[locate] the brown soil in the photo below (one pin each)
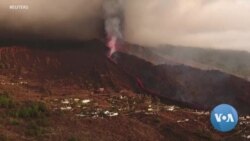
(61, 76)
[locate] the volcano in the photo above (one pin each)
(192, 87)
(87, 65)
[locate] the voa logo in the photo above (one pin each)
(224, 118)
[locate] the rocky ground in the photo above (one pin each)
(72, 91)
(29, 114)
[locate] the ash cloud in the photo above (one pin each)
(222, 24)
(46, 19)
(113, 15)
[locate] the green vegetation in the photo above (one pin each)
(34, 116)
(27, 109)
(30, 116)
(30, 110)
(5, 100)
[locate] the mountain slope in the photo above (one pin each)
(83, 94)
(85, 65)
(197, 88)
(231, 61)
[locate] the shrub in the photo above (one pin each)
(5, 100)
(31, 110)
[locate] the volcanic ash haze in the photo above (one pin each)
(46, 19)
(113, 14)
(216, 23)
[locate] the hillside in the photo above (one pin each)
(194, 87)
(72, 91)
(234, 62)
(88, 67)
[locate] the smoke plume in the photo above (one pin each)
(113, 10)
(201, 23)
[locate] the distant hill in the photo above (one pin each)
(235, 62)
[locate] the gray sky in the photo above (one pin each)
(203, 23)
(69, 19)
(210, 23)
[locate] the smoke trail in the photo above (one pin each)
(113, 14)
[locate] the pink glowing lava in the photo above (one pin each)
(112, 45)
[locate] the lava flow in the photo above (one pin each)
(113, 46)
